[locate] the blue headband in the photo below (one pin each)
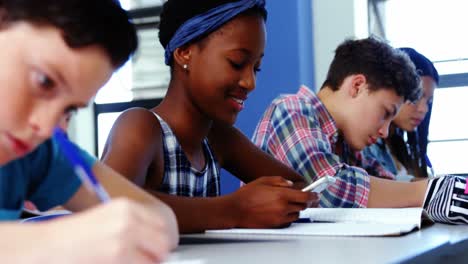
(207, 22)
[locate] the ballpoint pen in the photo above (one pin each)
(83, 171)
(429, 164)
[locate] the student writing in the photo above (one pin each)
(55, 55)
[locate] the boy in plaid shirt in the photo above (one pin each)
(322, 134)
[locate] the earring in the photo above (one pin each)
(185, 66)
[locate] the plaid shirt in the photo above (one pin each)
(180, 178)
(298, 130)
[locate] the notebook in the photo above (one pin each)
(347, 222)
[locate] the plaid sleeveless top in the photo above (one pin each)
(180, 178)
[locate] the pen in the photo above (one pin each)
(429, 164)
(83, 171)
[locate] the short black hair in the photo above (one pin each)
(82, 22)
(424, 67)
(384, 67)
(176, 12)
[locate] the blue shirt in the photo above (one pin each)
(45, 177)
(380, 151)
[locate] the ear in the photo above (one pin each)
(182, 56)
(358, 85)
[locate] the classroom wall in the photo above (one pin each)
(301, 38)
(287, 64)
(333, 22)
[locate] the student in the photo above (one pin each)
(316, 134)
(55, 55)
(403, 153)
(176, 149)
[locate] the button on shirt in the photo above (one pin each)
(298, 130)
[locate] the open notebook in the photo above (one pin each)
(347, 222)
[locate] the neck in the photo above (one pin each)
(331, 101)
(186, 120)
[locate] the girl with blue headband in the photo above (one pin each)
(176, 150)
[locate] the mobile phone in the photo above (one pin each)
(320, 184)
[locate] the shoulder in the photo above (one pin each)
(135, 128)
(136, 122)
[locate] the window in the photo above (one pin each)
(436, 29)
(142, 81)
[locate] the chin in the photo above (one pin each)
(357, 146)
(410, 128)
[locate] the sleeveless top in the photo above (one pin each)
(179, 177)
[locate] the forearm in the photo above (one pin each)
(197, 214)
(388, 193)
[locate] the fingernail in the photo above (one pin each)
(290, 183)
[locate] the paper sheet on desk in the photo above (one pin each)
(326, 229)
(345, 222)
(196, 261)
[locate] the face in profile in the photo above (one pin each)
(412, 114)
(222, 68)
(369, 116)
(42, 80)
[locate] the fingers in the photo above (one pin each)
(153, 244)
(143, 231)
(297, 196)
(150, 233)
(274, 181)
(292, 217)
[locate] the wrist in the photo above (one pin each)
(230, 212)
(421, 191)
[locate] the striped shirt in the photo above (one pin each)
(180, 178)
(298, 130)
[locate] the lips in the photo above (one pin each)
(20, 147)
(416, 121)
(372, 140)
(237, 101)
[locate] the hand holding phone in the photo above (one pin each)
(320, 184)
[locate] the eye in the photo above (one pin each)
(387, 114)
(43, 81)
(71, 110)
(236, 65)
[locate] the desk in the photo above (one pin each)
(216, 248)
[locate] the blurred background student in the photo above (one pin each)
(403, 152)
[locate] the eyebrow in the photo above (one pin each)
(248, 53)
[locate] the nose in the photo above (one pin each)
(383, 131)
(422, 106)
(248, 79)
(43, 121)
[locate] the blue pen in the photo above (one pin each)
(83, 171)
(429, 164)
